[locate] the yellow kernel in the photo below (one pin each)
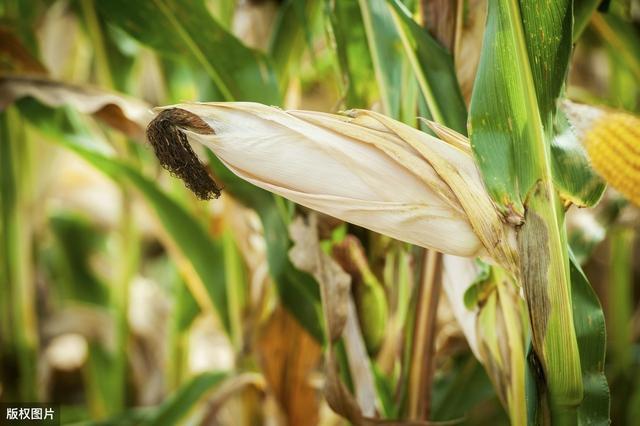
(613, 145)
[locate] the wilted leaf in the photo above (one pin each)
(338, 395)
(466, 54)
(359, 363)
(288, 356)
(439, 17)
(340, 315)
(335, 284)
(124, 113)
(450, 136)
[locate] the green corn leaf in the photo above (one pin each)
(460, 389)
(573, 176)
(582, 11)
(204, 253)
(113, 67)
(223, 11)
(190, 236)
(386, 50)
(433, 67)
(76, 240)
(186, 29)
(506, 113)
(291, 33)
(352, 53)
(100, 381)
(18, 321)
(623, 37)
(512, 125)
(178, 405)
(591, 333)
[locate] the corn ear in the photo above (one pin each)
(612, 141)
(613, 145)
(362, 167)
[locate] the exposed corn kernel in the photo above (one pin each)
(613, 144)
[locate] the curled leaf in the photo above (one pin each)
(335, 284)
(124, 113)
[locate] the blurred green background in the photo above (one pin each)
(127, 301)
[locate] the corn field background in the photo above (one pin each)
(483, 155)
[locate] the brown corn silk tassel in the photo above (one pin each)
(170, 145)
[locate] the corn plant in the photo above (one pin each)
(320, 212)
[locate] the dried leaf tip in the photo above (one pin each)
(166, 136)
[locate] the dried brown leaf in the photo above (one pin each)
(439, 17)
(338, 396)
(15, 57)
(288, 355)
(231, 387)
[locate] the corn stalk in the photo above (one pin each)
(18, 328)
(523, 65)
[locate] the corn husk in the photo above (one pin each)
(612, 142)
(361, 167)
(494, 326)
